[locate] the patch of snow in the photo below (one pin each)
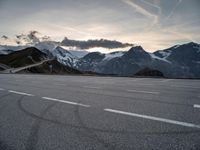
(165, 54)
(46, 45)
(176, 46)
(75, 51)
(113, 55)
(2, 48)
(3, 52)
(159, 58)
(108, 52)
(64, 56)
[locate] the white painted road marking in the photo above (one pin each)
(147, 92)
(91, 87)
(20, 93)
(196, 106)
(185, 124)
(63, 101)
(2, 89)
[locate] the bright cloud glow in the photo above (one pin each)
(154, 24)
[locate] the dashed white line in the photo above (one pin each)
(2, 89)
(91, 87)
(196, 106)
(185, 124)
(20, 93)
(63, 101)
(147, 92)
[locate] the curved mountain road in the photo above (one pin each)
(15, 70)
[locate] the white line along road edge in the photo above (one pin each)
(63, 101)
(2, 89)
(185, 124)
(20, 93)
(196, 106)
(147, 92)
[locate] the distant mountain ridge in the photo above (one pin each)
(32, 60)
(179, 61)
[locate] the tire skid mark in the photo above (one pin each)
(90, 133)
(66, 125)
(2, 100)
(32, 140)
(124, 97)
(5, 95)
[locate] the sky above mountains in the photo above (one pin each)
(154, 24)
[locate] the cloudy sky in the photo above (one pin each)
(154, 24)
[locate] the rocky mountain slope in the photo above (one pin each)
(23, 57)
(29, 61)
(180, 61)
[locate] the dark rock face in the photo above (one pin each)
(94, 56)
(149, 73)
(181, 61)
(23, 57)
(137, 54)
(53, 67)
(31, 56)
(126, 65)
(90, 62)
(185, 61)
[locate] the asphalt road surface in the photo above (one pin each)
(43, 112)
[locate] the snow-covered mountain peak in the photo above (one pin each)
(112, 55)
